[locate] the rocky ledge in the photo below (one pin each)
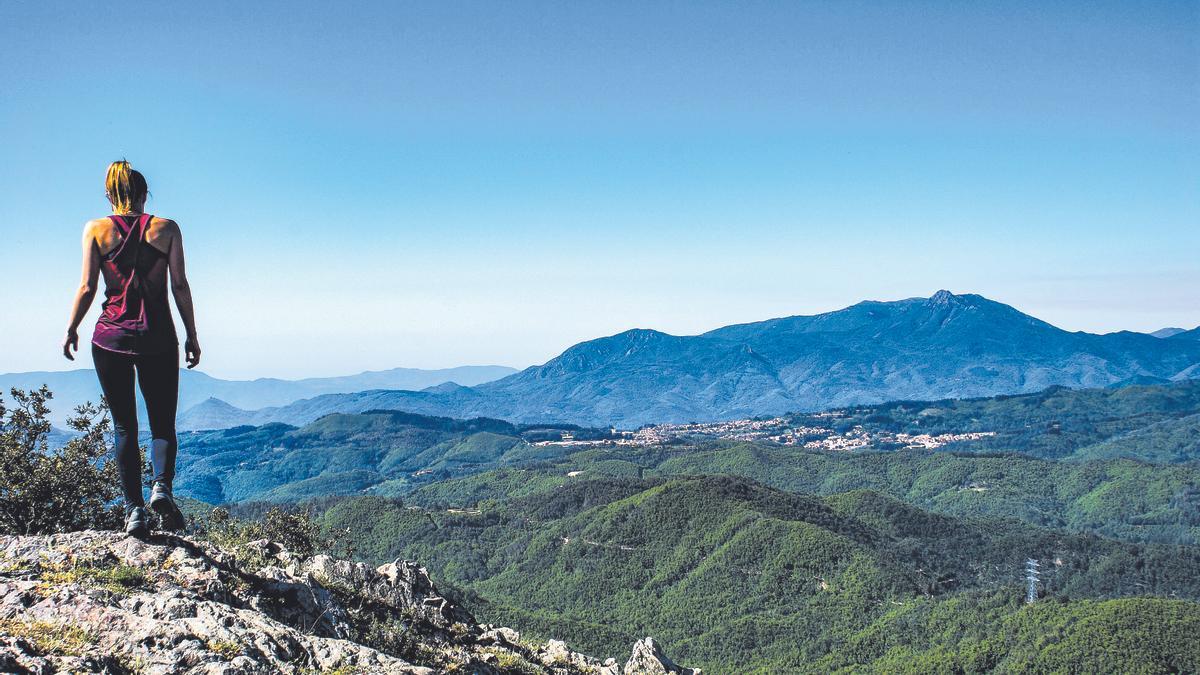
(103, 602)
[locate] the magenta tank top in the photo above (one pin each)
(136, 317)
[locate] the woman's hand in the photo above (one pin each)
(71, 341)
(191, 348)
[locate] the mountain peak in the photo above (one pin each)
(944, 298)
(446, 388)
(212, 403)
(614, 345)
(640, 334)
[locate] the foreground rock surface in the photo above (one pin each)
(103, 602)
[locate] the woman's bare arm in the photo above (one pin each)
(86, 292)
(183, 295)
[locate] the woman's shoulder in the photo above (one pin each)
(98, 227)
(161, 225)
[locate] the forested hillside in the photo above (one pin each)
(391, 452)
(753, 547)
(1149, 422)
(1122, 499)
(731, 572)
(340, 454)
(396, 454)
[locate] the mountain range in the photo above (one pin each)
(73, 387)
(944, 346)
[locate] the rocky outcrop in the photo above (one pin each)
(103, 602)
(649, 659)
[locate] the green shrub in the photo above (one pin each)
(296, 529)
(44, 491)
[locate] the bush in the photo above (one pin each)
(297, 530)
(43, 491)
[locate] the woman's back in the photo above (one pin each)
(109, 234)
(136, 315)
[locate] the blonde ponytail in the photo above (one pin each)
(124, 186)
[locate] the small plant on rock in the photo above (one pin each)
(119, 579)
(49, 638)
(224, 648)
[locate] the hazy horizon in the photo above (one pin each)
(436, 185)
(251, 376)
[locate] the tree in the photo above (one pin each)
(44, 490)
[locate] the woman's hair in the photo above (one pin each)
(124, 186)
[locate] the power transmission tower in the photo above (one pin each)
(1031, 579)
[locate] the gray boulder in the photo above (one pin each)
(648, 659)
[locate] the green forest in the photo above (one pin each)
(778, 558)
(734, 574)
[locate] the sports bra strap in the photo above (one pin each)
(116, 220)
(142, 221)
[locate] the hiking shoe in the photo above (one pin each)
(136, 522)
(163, 503)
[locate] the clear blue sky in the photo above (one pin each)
(370, 185)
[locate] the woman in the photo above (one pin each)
(135, 332)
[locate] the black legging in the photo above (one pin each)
(158, 378)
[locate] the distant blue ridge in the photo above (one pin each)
(945, 346)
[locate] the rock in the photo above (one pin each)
(556, 654)
(400, 585)
(499, 636)
(169, 605)
(648, 659)
(17, 655)
(103, 602)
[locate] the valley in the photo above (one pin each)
(759, 545)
